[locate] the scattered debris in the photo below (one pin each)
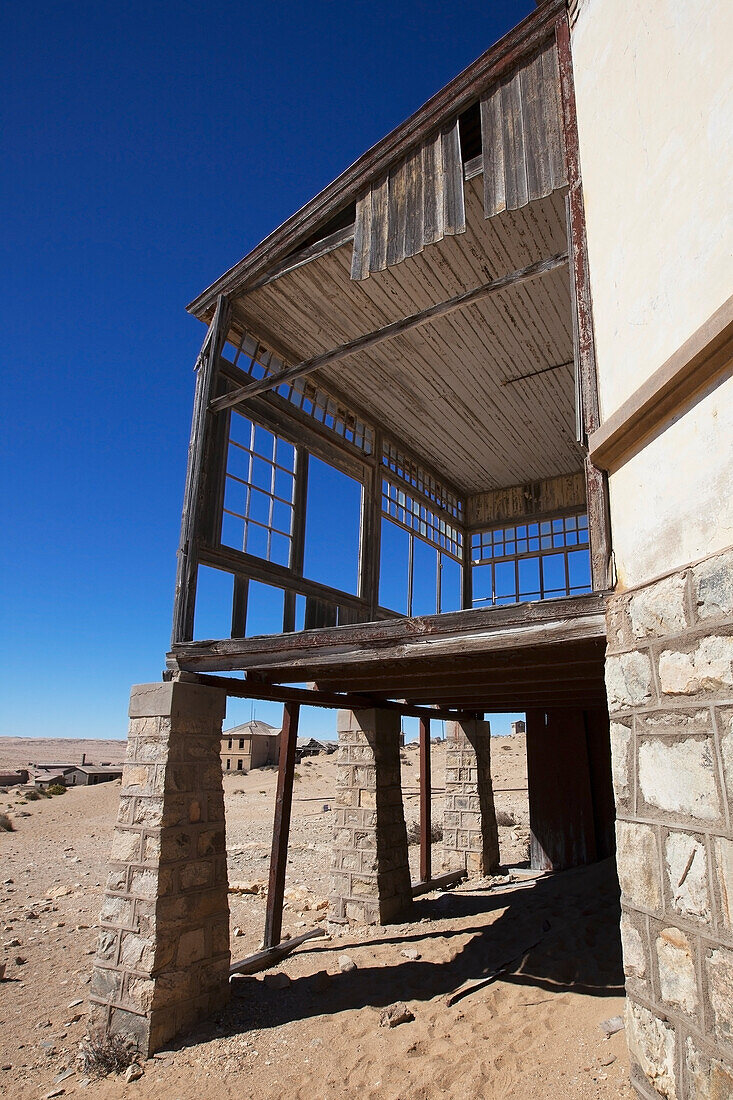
(346, 964)
(396, 1014)
(247, 888)
(58, 892)
(411, 953)
(612, 1025)
(133, 1072)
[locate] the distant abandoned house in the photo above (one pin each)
(252, 745)
(504, 389)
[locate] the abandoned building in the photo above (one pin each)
(501, 341)
(252, 745)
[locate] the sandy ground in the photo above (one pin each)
(530, 1032)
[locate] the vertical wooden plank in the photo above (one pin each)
(239, 607)
(515, 172)
(414, 203)
(362, 237)
(371, 531)
(380, 225)
(492, 143)
(281, 827)
(466, 572)
(207, 366)
(553, 117)
(536, 136)
(454, 205)
(426, 866)
(297, 546)
(433, 190)
(396, 204)
(599, 524)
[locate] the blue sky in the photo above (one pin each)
(148, 147)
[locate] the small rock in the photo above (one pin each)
(278, 980)
(245, 887)
(12, 943)
(75, 1003)
(396, 1014)
(411, 953)
(2, 972)
(612, 1025)
(609, 1061)
(346, 964)
(238, 931)
(20, 960)
(63, 1075)
(59, 892)
(54, 1092)
(133, 1072)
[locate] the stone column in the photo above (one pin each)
(470, 835)
(669, 678)
(163, 957)
(370, 869)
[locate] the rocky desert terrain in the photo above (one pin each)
(508, 979)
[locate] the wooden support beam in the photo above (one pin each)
(277, 693)
(388, 332)
(426, 869)
(281, 827)
(262, 960)
(200, 476)
(588, 410)
(440, 882)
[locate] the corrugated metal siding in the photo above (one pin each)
(419, 202)
(522, 137)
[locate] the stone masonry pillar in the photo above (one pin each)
(669, 679)
(370, 869)
(163, 957)
(470, 835)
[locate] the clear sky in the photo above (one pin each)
(148, 147)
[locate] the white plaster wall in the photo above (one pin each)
(654, 88)
(672, 503)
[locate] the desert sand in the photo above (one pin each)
(532, 1031)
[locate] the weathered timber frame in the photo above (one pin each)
(224, 386)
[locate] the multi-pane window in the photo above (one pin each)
(413, 474)
(531, 561)
(258, 494)
(417, 516)
(421, 544)
(256, 360)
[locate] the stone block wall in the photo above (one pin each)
(370, 881)
(669, 678)
(163, 957)
(470, 834)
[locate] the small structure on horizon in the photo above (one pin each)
(252, 745)
(518, 727)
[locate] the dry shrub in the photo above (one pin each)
(32, 795)
(413, 832)
(101, 1053)
(56, 788)
(6, 824)
(505, 818)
